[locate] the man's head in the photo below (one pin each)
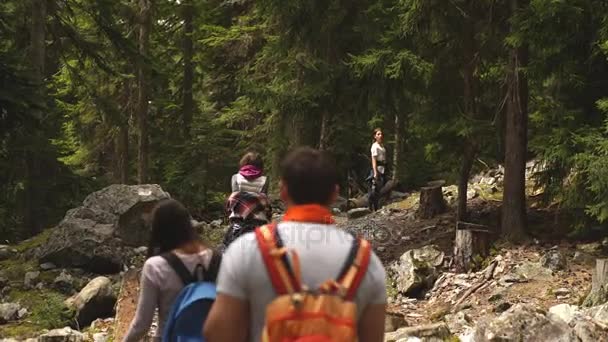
(308, 176)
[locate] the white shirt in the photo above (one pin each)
(380, 153)
(322, 250)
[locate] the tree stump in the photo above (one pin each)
(599, 285)
(431, 200)
(472, 244)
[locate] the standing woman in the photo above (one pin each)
(378, 173)
(173, 239)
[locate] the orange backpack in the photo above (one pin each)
(300, 315)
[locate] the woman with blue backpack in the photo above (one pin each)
(177, 278)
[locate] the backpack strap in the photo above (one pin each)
(275, 259)
(214, 267)
(178, 266)
(355, 267)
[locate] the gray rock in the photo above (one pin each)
(31, 279)
(417, 270)
(581, 257)
(523, 323)
(431, 333)
(458, 321)
(554, 260)
(100, 234)
(6, 252)
(64, 283)
(394, 322)
(96, 300)
(62, 335)
(533, 271)
(9, 312)
(590, 247)
(588, 331)
(100, 337)
(47, 266)
(565, 312)
(598, 313)
(358, 212)
(141, 250)
(22, 313)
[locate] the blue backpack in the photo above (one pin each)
(191, 307)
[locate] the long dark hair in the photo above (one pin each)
(171, 227)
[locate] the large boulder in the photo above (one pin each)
(417, 270)
(62, 335)
(100, 235)
(524, 323)
(96, 300)
(9, 312)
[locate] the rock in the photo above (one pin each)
(590, 247)
(6, 252)
(471, 193)
(216, 223)
(62, 335)
(588, 331)
(358, 212)
(581, 257)
(394, 322)
(562, 292)
(565, 312)
(64, 283)
(100, 337)
(533, 271)
(141, 250)
(458, 321)
(416, 270)
(22, 313)
(47, 266)
(96, 300)
(554, 260)
(523, 323)
(502, 307)
(100, 234)
(9, 312)
(599, 313)
(31, 279)
(432, 332)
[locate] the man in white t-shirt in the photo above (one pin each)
(309, 184)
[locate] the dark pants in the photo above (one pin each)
(238, 228)
(375, 185)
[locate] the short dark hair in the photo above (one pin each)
(252, 158)
(310, 176)
(171, 227)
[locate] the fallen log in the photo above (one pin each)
(363, 202)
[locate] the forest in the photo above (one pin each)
(173, 92)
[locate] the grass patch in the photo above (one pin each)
(45, 307)
(34, 242)
(21, 330)
(408, 203)
(15, 269)
(212, 236)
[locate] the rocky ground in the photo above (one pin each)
(79, 281)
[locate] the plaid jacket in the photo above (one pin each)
(248, 205)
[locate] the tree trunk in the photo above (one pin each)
(362, 201)
(463, 182)
(470, 109)
(397, 149)
(142, 90)
(471, 245)
(37, 53)
(123, 153)
(599, 285)
(188, 102)
(514, 197)
(324, 136)
(431, 202)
